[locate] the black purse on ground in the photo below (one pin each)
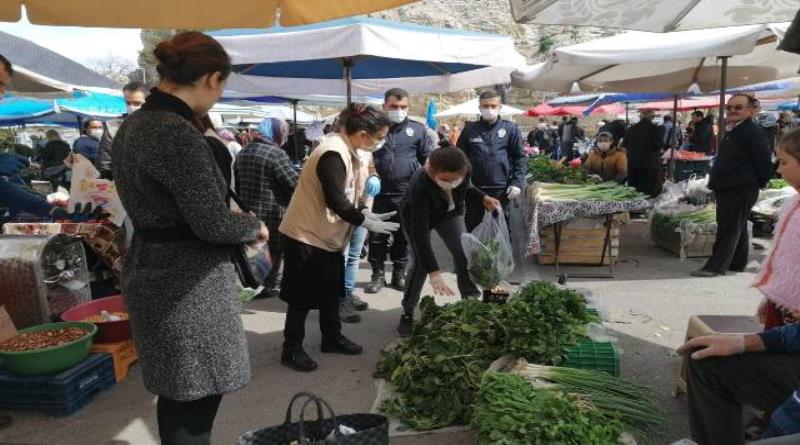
(362, 429)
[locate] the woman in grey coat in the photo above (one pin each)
(178, 279)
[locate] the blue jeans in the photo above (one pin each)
(353, 259)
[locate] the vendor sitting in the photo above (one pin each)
(607, 160)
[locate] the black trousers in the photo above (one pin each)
(379, 245)
(294, 332)
(186, 423)
(475, 209)
(720, 386)
(645, 180)
(732, 244)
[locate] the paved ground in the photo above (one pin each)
(649, 303)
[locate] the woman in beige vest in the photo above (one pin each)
(316, 231)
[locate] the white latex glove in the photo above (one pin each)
(513, 191)
(378, 216)
(714, 346)
(439, 286)
(375, 224)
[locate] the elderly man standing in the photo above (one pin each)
(643, 145)
(742, 167)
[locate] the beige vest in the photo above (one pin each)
(308, 219)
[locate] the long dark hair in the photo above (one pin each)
(362, 117)
(448, 160)
(189, 56)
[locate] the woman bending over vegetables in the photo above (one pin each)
(435, 201)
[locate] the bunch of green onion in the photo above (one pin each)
(616, 398)
(606, 191)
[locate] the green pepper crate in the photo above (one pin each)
(596, 356)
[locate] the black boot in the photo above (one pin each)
(341, 346)
(298, 359)
(399, 278)
(378, 281)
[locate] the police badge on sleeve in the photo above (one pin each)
(410, 132)
(501, 133)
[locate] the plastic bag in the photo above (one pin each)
(490, 258)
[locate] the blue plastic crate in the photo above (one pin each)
(61, 394)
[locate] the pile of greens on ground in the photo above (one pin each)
(543, 169)
(664, 225)
(606, 191)
(511, 411)
(777, 183)
(437, 371)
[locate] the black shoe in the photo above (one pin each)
(298, 360)
(342, 346)
(702, 273)
(377, 283)
(358, 304)
(406, 325)
(274, 293)
(399, 280)
(347, 313)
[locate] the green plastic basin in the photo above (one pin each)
(51, 360)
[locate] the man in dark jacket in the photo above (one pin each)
(742, 167)
(643, 145)
(542, 137)
(571, 133)
(405, 150)
(702, 133)
(135, 94)
(494, 148)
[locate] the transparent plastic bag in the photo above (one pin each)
(490, 257)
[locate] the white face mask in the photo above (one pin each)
(542, 126)
(397, 116)
(489, 114)
(604, 146)
(131, 108)
(444, 185)
(375, 147)
(97, 134)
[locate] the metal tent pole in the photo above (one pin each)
(627, 111)
(673, 142)
(722, 90)
(348, 78)
(296, 133)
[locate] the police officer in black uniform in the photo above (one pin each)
(406, 148)
(494, 148)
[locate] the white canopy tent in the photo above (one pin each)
(250, 114)
(653, 15)
(641, 61)
(470, 108)
(366, 57)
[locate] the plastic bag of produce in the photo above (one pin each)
(490, 258)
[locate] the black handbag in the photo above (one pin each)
(370, 429)
(246, 258)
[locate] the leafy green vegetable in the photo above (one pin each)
(510, 411)
(437, 371)
(486, 263)
(777, 184)
(615, 398)
(543, 169)
(663, 225)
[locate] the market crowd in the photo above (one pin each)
(379, 180)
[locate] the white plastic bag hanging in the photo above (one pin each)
(490, 258)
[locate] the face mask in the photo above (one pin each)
(397, 116)
(375, 147)
(97, 134)
(542, 126)
(489, 114)
(444, 185)
(604, 146)
(131, 108)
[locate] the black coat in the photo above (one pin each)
(643, 145)
(743, 160)
(702, 135)
(495, 153)
(406, 148)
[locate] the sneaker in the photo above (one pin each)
(406, 325)
(298, 359)
(347, 313)
(342, 346)
(358, 303)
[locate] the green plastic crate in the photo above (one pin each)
(597, 356)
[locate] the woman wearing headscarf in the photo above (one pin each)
(230, 141)
(265, 182)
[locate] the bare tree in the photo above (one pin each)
(114, 67)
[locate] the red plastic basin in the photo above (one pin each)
(107, 331)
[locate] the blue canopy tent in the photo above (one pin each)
(69, 112)
(362, 56)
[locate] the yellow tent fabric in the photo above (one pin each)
(187, 14)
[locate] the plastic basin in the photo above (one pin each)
(50, 360)
(109, 331)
